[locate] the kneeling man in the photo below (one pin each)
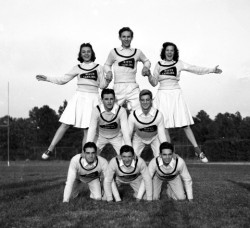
(170, 167)
(85, 168)
(128, 169)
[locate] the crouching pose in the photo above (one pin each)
(128, 169)
(170, 167)
(85, 168)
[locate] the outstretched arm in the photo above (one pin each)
(59, 80)
(199, 70)
(217, 70)
(40, 77)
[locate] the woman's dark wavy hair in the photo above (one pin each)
(80, 59)
(163, 50)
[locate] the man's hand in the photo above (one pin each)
(145, 71)
(109, 76)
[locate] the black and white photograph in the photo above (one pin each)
(125, 113)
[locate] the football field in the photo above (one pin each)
(31, 196)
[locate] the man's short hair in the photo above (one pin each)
(126, 29)
(89, 145)
(107, 91)
(127, 148)
(166, 145)
(145, 92)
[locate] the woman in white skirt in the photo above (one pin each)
(90, 77)
(169, 99)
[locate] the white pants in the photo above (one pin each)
(94, 187)
(127, 92)
(139, 144)
(116, 142)
(135, 185)
(175, 188)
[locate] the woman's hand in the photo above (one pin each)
(217, 70)
(41, 78)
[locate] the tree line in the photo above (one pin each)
(222, 136)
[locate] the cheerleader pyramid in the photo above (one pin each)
(147, 124)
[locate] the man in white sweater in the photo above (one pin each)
(85, 168)
(124, 61)
(128, 169)
(171, 168)
(146, 125)
(110, 121)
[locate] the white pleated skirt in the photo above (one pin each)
(79, 109)
(173, 106)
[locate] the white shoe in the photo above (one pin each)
(203, 157)
(46, 154)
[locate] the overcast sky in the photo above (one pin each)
(44, 36)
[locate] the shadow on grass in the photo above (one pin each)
(241, 184)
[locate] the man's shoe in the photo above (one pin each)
(46, 154)
(202, 157)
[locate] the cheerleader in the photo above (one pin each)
(169, 99)
(90, 77)
(124, 62)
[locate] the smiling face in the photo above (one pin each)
(166, 156)
(127, 158)
(126, 39)
(169, 53)
(108, 101)
(90, 154)
(86, 54)
(146, 102)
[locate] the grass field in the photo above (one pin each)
(31, 196)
